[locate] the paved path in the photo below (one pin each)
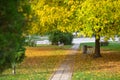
(64, 72)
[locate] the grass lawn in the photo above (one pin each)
(105, 68)
(39, 64)
(113, 46)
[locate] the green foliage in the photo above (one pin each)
(12, 26)
(62, 37)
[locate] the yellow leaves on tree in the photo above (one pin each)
(69, 13)
(100, 15)
(55, 14)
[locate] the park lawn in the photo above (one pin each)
(105, 68)
(113, 46)
(39, 64)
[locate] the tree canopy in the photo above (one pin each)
(100, 17)
(70, 15)
(53, 14)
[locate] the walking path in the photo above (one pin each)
(64, 72)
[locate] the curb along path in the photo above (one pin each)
(64, 72)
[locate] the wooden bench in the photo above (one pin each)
(87, 49)
(90, 49)
(104, 43)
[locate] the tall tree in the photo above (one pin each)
(12, 25)
(101, 18)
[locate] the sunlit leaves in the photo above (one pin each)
(70, 15)
(54, 14)
(98, 15)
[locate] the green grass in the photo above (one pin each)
(24, 77)
(89, 44)
(55, 46)
(113, 46)
(95, 76)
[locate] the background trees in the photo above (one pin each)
(12, 25)
(59, 37)
(52, 17)
(90, 17)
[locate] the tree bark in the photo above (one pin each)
(13, 69)
(97, 47)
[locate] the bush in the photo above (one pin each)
(62, 37)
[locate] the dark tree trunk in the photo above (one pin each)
(97, 47)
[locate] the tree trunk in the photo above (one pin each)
(97, 47)
(13, 69)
